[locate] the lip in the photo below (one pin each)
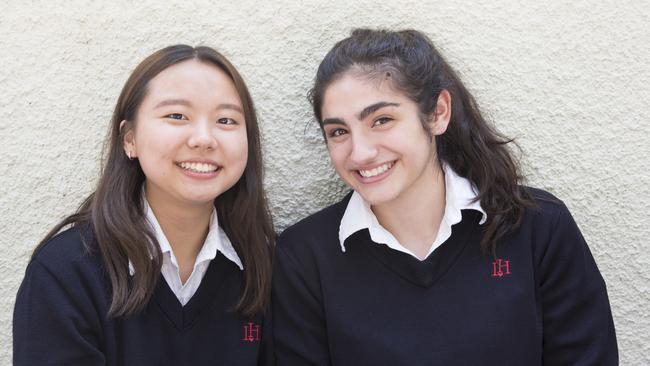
(376, 178)
(199, 175)
(203, 161)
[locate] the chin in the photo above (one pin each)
(376, 197)
(201, 199)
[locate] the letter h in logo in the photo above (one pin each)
(498, 266)
(251, 332)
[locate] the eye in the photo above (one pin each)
(227, 121)
(381, 121)
(336, 132)
(177, 116)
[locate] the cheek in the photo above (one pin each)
(153, 141)
(155, 151)
(236, 147)
(338, 157)
(414, 143)
(422, 154)
(152, 165)
(152, 153)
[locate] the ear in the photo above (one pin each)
(442, 114)
(128, 141)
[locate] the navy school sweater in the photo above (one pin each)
(60, 316)
(541, 301)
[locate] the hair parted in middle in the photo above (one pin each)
(471, 146)
(115, 210)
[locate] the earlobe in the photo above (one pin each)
(128, 142)
(442, 114)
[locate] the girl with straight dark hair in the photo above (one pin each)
(439, 256)
(168, 261)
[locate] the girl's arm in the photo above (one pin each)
(577, 320)
(299, 331)
(54, 322)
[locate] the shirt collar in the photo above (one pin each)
(460, 194)
(215, 241)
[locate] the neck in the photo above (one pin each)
(185, 227)
(415, 216)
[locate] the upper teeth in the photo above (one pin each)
(376, 171)
(199, 167)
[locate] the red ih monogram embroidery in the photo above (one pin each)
(498, 266)
(251, 332)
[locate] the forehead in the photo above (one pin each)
(351, 93)
(199, 82)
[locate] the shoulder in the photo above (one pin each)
(71, 249)
(547, 208)
(542, 220)
(550, 226)
(63, 276)
(314, 230)
(61, 303)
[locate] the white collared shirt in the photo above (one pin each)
(459, 194)
(216, 240)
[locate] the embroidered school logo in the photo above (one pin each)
(251, 332)
(500, 268)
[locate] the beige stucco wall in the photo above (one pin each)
(568, 79)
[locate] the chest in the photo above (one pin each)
(205, 331)
(470, 309)
(219, 339)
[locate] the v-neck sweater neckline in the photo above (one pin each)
(427, 272)
(183, 317)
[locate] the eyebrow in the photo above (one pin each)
(333, 121)
(234, 107)
(167, 102)
(363, 114)
(187, 103)
(375, 107)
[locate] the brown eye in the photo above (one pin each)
(226, 121)
(381, 121)
(336, 132)
(177, 116)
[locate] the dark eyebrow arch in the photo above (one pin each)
(234, 107)
(375, 107)
(333, 121)
(363, 114)
(167, 102)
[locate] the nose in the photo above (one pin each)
(202, 136)
(364, 149)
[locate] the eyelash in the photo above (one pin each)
(336, 132)
(384, 119)
(171, 116)
(182, 117)
(227, 121)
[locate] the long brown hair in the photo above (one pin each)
(115, 210)
(471, 146)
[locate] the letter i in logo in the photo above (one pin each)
(251, 332)
(498, 266)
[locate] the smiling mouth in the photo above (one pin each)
(376, 171)
(198, 167)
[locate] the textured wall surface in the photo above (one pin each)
(568, 79)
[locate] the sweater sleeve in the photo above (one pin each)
(299, 330)
(53, 322)
(577, 320)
